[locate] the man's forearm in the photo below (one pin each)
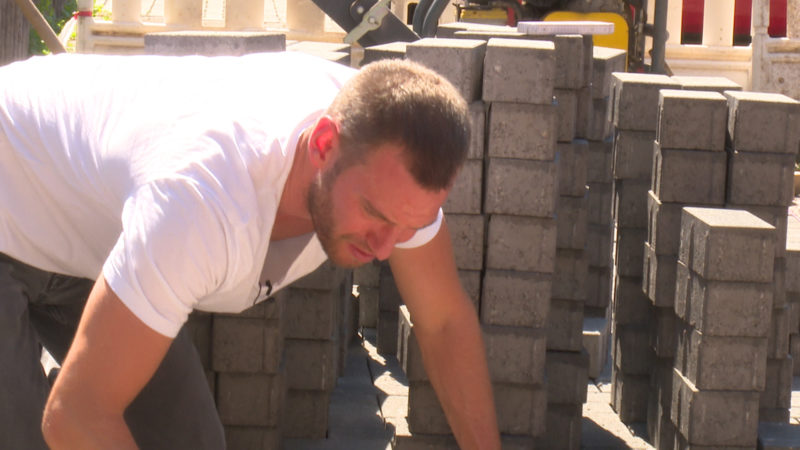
(66, 430)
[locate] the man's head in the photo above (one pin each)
(387, 152)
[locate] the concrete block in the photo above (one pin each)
(630, 203)
(726, 363)
(585, 114)
(629, 394)
(636, 99)
(466, 232)
(659, 276)
(605, 61)
(596, 334)
(599, 161)
(513, 298)
(326, 277)
(388, 296)
(477, 122)
(524, 131)
(466, 195)
(306, 414)
(795, 353)
(689, 176)
(515, 354)
(778, 387)
(571, 160)
(570, 61)
(256, 438)
(633, 154)
(599, 127)
(598, 287)
(198, 327)
(763, 122)
(664, 335)
(449, 30)
(245, 345)
(367, 307)
(249, 399)
(565, 325)
(567, 377)
(521, 187)
(409, 354)
(485, 35)
(793, 270)
(779, 283)
(519, 71)
(460, 61)
(425, 414)
(631, 349)
(719, 418)
(778, 436)
(706, 83)
(598, 245)
(521, 243)
(571, 223)
(213, 43)
(566, 101)
(569, 277)
(727, 244)
(628, 251)
(367, 275)
(664, 225)
(311, 313)
(521, 409)
(774, 415)
(775, 175)
(563, 427)
(724, 308)
(386, 333)
(311, 364)
(392, 50)
(778, 337)
(471, 283)
(694, 120)
(599, 201)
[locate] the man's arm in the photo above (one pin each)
(113, 355)
(450, 338)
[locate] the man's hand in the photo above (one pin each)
(112, 357)
(449, 336)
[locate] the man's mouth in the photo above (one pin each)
(360, 255)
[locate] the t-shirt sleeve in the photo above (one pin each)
(423, 235)
(171, 252)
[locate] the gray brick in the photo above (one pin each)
(567, 375)
(598, 245)
(521, 409)
(519, 71)
(570, 61)
(566, 101)
(605, 62)
(778, 338)
(777, 216)
(599, 162)
(386, 333)
(599, 199)
(571, 160)
(311, 313)
(256, 438)
(392, 50)
(311, 364)
(409, 354)
(635, 99)
(565, 325)
(367, 307)
(571, 220)
(367, 275)
(763, 122)
(775, 175)
(327, 276)
(425, 414)
(513, 298)
(793, 270)
(726, 363)
(598, 287)
(477, 122)
(563, 428)
(630, 203)
(727, 244)
(600, 127)
(388, 295)
(471, 283)
(633, 154)
(520, 130)
(778, 387)
(198, 327)
(485, 35)
(689, 176)
(213, 43)
(631, 350)
(779, 283)
(664, 335)
(628, 251)
(521, 187)
(664, 225)
(659, 275)
(465, 195)
(521, 243)
(306, 414)
(706, 83)
(585, 114)
(515, 354)
(692, 120)
(249, 399)
(596, 332)
(778, 436)
(245, 345)
(460, 61)
(629, 395)
(569, 277)
(466, 231)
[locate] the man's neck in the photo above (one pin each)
(292, 218)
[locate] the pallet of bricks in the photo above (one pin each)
(272, 368)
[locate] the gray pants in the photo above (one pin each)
(175, 410)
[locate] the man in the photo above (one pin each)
(186, 183)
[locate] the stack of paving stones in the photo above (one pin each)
(793, 294)
(599, 179)
(723, 297)
(689, 166)
(366, 281)
(635, 118)
(763, 142)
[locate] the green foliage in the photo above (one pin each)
(56, 19)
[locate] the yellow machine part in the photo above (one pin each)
(618, 39)
(493, 15)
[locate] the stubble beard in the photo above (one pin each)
(320, 208)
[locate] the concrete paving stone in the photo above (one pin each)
(515, 354)
(213, 43)
(795, 354)
(471, 283)
(256, 438)
(605, 61)
(408, 352)
(572, 222)
(778, 436)
(460, 61)
(763, 122)
(630, 203)
(425, 414)
(570, 61)
(563, 428)
(629, 394)
(664, 338)
(521, 243)
(355, 416)
(599, 127)
(628, 251)
(519, 71)
(631, 349)
(394, 406)
(774, 415)
(636, 99)
(570, 275)
(778, 336)
(726, 363)
(521, 409)
(387, 332)
(198, 327)
(245, 345)
(778, 387)
(311, 364)
(706, 83)
(391, 50)
(513, 298)
(448, 30)
(465, 195)
(779, 283)
(775, 172)
(664, 225)
(477, 122)
(567, 376)
(306, 414)
(367, 307)
(466, 231)
(689, 176)
(249, 399)
(485, 35)
(389, 297)
(719, 418)
(311, 313)
(599, 203)
(631, 305)
(367, 275)
(585, 114)
(599, 161)
(326, 277)
(633, 154)
(521, 187)
(405, 440)
(566, 101)
(596, 332)
(659, 275)
(571, 161)
(598, 245)
(724, 308)
(598, 287)
(727, 244)
(793, 270)
(521, 130)
(694, 120)
(565, 325)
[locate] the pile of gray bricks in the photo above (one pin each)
(793, 291)
(723, 298)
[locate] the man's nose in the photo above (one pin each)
(381, 241)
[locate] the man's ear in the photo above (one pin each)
(323, 143)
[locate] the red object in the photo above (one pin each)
(77, 14)
(692, 19)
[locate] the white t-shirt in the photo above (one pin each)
(163, 172)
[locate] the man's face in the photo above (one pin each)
(362, 211)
